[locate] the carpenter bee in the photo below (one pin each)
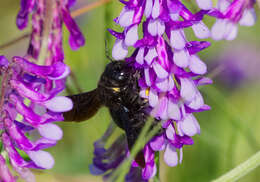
(118, 90)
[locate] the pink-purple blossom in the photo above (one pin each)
(61, 13)
(29, 95)
(171, 70)
(229, 14)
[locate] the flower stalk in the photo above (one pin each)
(46, 31)
(241, 170)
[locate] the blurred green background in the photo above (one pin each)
(229, 131)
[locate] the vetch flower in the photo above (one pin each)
(229, 14)
(170, 70)
(29, 101)
(24, 80)
(60, 12)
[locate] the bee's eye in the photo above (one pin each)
(119, 75)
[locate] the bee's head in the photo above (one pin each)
(117, 74)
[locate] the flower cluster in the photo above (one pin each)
(229, 14)
(29, 95)
(34, 131)
(60, 13)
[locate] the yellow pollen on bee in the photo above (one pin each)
(116, 89)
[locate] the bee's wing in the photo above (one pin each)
(85, 105)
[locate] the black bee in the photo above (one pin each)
(119, 91)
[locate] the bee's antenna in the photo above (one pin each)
(107, 52)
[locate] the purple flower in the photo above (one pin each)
(229, 14)
(25, 80)
(171, 71)
(60, 14)
(29, 101)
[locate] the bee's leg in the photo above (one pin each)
(85, 105)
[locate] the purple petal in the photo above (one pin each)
(43, 143)
(22, 16)
(41, 158)
(118, 35)
(151, 54)
(170, 132)
(27, 92)
(156, 9)
(22, 126)
(201, 30)
(171, 156)
(197, 66)
(188, 89)
(148, 8)
(248, 18)
(197, 102)
(60, 71)
(149, 171)
(119, 51)
(196, 46)
(181, 58)
(56, 71)
(161, 109)
(162, 84)
(218, 30)
(203, 81)
(149, 76)
(22, 141)
(95, 170)
(76, 38)
(126, 17)
(159, 70)
(153, 98)
(71, 3)
(177, 39)
(189, 126)
(50, 131)
(204, 4)
(3, 61)
(140, 56)
(14, 156)
(157, 143)
(59, 104)
(160, 27)
(152, 27)
(231, 31)
(174, 110)
(131, 36)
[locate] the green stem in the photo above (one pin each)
(157, 162)
(241, 170)
(46, 31)
(107, 18)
